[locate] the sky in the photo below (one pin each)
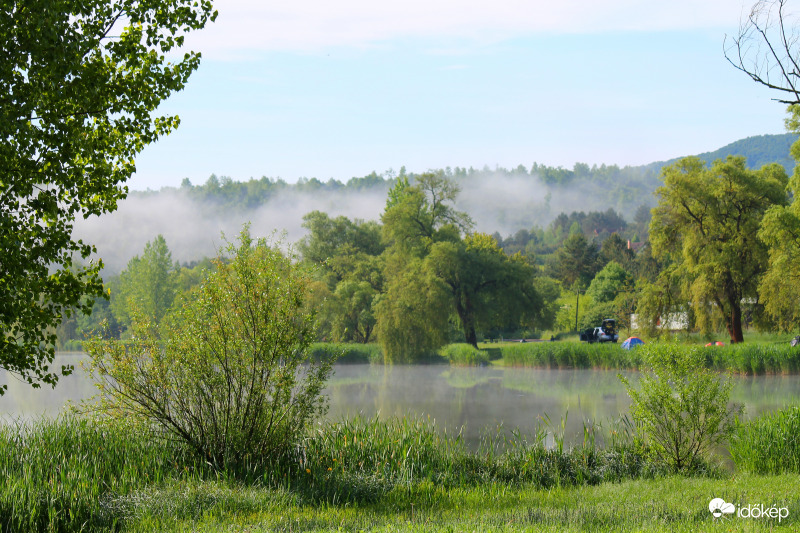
(312, 88)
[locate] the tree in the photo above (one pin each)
(780, 230)
(576, 261)
(412, 312)
(79, 82)
(352, 316)
(707, 220)
(486, 286)
(614, 248)
(147, 286)
(422, 214)
(609, 282)
(231, 376)
(767, 49)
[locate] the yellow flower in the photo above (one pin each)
(308, 470)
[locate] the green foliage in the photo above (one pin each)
(464, 355)
(780, 229)
(707, 221)
(768, 444)
(148, 285)
(350, 308)
(77, 109)
(680, 406)
(609, 282)
(576, 262)
(412, 314)
(755, 358)
(234, 351)
(487, 288)
(346, 352)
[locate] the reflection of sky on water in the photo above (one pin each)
(479, 399)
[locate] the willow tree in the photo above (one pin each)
(707, 220)
(80, 81)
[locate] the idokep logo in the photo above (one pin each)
(719, 507)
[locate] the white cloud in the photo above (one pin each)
(309, 25)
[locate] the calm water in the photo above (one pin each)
(477, 399)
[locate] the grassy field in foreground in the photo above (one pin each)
(664, 505)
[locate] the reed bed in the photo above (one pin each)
(746, 358)
(570, 355)
(62, 475)
(74, 474)
(755, 358)
(769, 444)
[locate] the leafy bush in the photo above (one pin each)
(464, 354)
(680, 405)
(228, 374)
(347, 352)
(769, 444)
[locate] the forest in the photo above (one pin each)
(425, 267)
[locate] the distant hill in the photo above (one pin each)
(759, 151)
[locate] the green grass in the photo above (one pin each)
(769, 444)
(662, 505)
(401, 474)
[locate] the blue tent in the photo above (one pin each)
(630, 342)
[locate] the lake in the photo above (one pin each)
(477, 399)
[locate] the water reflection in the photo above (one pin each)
(477, 399)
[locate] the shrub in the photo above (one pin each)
(464, 354)
(228, 375)
(343, 352)
(680, 405)
(769, 444)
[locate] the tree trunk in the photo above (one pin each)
(465, 315)
(735, 322)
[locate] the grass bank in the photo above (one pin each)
(365, 474)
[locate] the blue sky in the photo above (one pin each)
(336, 90)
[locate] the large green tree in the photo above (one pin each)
(412, 313)
(79, 83)
(780, 229)
(487, 287)
(147, 287)
(707, 220)
(576, 262)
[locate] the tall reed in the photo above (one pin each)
(570, 355)
(769, 444)
(62, 475)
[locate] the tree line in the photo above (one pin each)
(715, 250)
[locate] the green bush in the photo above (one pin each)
(680, 406)
(228, 375)
(769, 444)
(346, 352)
(464, 355)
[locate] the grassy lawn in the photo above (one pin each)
(665, 504)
